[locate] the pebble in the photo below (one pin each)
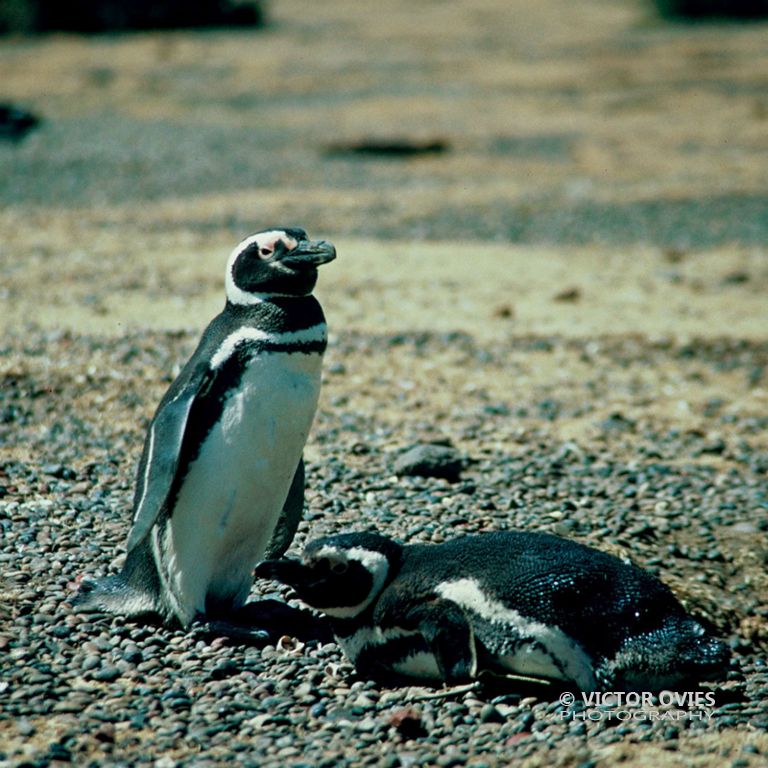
(490, 714)
(106, 673)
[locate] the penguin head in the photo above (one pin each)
(275, 262)
(339, 575)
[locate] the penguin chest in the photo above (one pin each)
(235, 489)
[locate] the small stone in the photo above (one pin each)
(317, 710)
(737, 277)
(743, 527)
(106, 674)
(225, 668)
(26, 728)
(506, 710)
(105, 734)
(132, 654)
(259, 721)
(59, 752)
(367, 725)
(489, 714)
(364, 702)
(303, 689)
(568, 294)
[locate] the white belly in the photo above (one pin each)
(234, 491)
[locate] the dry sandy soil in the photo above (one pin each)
(581, 272)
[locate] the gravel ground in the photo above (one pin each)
(688, 504)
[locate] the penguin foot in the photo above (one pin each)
(238, 633)
(500, 688)
(446, 693)
(506, 687)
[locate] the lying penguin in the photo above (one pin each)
(508, 603)
(220, 483)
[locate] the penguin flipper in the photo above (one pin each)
(160, 466)
(444, 626)
(290, 517)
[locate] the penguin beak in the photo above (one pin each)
(309, 253)
(291, 572)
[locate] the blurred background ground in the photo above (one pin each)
(551, 221)
(562, 125)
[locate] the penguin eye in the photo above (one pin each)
(265, 252)
(339, 567)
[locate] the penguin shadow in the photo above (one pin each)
(257, 623)
(262, 622)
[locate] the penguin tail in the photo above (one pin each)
(680, 652)
(115, 595)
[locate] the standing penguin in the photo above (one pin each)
(506, 603)
(220, 483)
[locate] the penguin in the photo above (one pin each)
(522, 605)
(220, 483)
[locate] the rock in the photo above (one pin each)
(430, 460)
(693, 10)
(107, 15)
(16, 123)
(397, 147)
(570, 294)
